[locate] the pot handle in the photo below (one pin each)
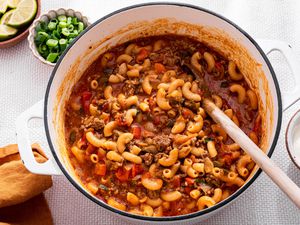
(290, 97)
(47, 168)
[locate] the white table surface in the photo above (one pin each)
(23, 80)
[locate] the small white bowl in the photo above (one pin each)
(46, 18)
(292, 138)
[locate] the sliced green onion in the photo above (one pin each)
(41, 27)
(52, 42)
(53, 37)
(62, 24)
(63, 44)
(65, 32)
(55, 49)
(41, 37)
(75, 20)
(62, 18)
(80, 26)
(71, 27)
(52, 57)
(69, 20)
(73, 34)
(42, 48)
(55, 34)
(54, 20)
(70, 40)
(51, 26)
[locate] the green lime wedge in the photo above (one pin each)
(3, 6)
(6, 32)
(23, 14)
(4, 19)
(13, 3)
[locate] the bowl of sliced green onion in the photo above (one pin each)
(51, 33)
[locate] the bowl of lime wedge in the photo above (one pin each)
(16, 16)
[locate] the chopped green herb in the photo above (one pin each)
(206, 140)
(217, 164)
(170, 123)
(103, 187)
(73, 136)
(198, 181)
(224, 84)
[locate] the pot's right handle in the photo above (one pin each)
(288, 97)
(47, 168)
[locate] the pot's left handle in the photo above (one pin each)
(47, 168)
(291, 96)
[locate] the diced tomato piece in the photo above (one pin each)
(142, 55)
(218, 65)
(159, 68)
(82, 142)
(86, 100)
(187, 190)
(100, 169)
(190, 181)
(90, 149)
(122, 174)
(227, 157)
(146, 175)
(136, 170)
(105, 106)
(86, 95)
(156, 120)
(137, 132)
(187, 113)
(120, 120)
(176, 181)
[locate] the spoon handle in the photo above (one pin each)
(257, 155)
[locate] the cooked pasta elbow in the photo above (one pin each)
(205, 201)
(132, 157)
(195, 61)
(171, 159)
(146, 85)
(253, 99)
(108, 128)
(179, 125)
(161, 100)
(129, 116)
(234, 75)
(210, 61)
(171, 196)
(188, 94)
(92, 139)
(152, 183)
(123, 139)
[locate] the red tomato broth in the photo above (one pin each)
(120, 178)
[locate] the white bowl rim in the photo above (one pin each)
(289, 138)
(165, 218)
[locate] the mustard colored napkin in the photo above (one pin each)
(21, 198)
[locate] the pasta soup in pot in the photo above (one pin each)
(139, 139)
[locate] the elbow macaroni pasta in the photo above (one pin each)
(138, 138)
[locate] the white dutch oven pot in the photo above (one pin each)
(86, 48)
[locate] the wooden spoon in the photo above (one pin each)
(257, 155)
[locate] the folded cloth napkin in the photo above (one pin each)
(21, 198)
